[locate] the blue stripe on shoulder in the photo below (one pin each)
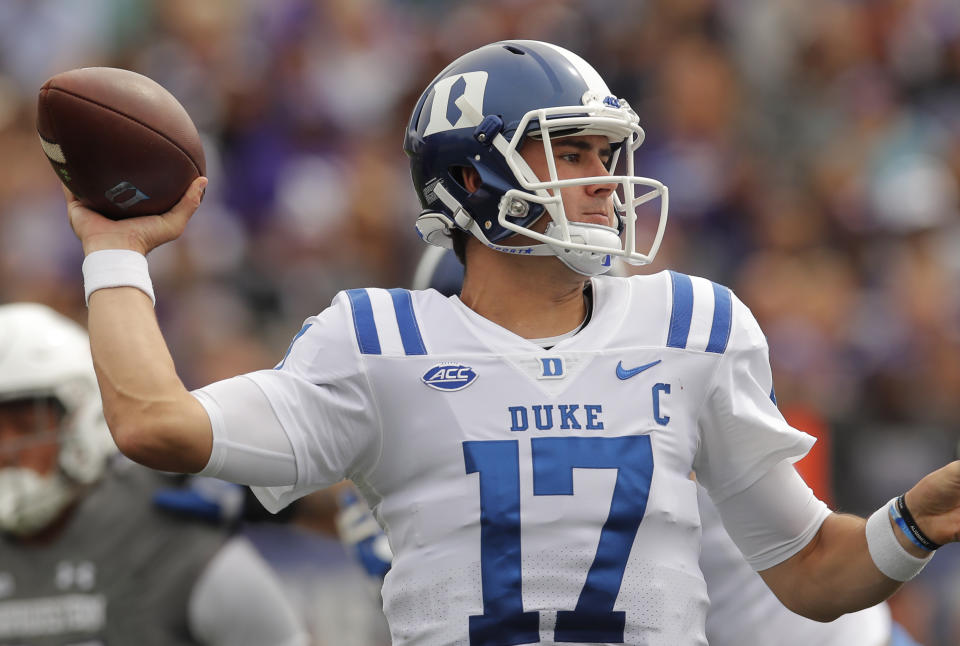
(407, 322)
(682, 310)
(722, 319)
(363, 321)
(290, 347)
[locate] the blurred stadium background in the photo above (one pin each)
(812, 150)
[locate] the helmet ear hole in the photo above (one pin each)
(466, 177)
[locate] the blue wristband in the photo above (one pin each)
(904, 520)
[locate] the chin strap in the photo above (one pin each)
(586, 263)
(434, 227)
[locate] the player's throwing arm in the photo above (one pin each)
(123, 145)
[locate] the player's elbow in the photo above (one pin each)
(798, 589)
(812, 604)
(816, 612)
(825, 616)
(133, 437)
(165, 437)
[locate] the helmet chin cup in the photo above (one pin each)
(29, 501)
(586, 263)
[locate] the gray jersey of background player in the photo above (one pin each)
(86, 556)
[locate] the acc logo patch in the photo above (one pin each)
(449, 377)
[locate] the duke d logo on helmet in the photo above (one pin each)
(444, 113)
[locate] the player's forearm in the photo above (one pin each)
(154, 420)
(833, 575)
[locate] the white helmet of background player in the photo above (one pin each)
(45, 356)
(479, 111)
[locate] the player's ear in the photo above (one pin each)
(470, 179)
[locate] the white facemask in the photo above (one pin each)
(29, 502)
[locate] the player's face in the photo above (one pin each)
(29, 434)
(576, 157)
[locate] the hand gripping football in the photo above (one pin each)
(118, 140)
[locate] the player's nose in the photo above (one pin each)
(598, 168)
(602, 189)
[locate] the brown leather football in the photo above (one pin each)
(118, 140)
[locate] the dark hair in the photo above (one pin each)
(460, 237)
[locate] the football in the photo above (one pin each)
(118, 140)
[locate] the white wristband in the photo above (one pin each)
(116, 268)
(887, 553)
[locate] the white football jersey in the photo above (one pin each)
(535, 496)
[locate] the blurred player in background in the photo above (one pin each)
(88, 554)
(527, 446)
(330, 588)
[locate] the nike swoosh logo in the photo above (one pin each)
(624, 373)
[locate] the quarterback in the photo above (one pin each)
(527, 445)
(742, 608)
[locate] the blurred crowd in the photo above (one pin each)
(811, 148)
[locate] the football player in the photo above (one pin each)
(743, 610)
(87, 554)
(526, 445)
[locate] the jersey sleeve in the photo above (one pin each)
(319, 395)
(742, 433)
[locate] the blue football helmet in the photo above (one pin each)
(480, 110)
